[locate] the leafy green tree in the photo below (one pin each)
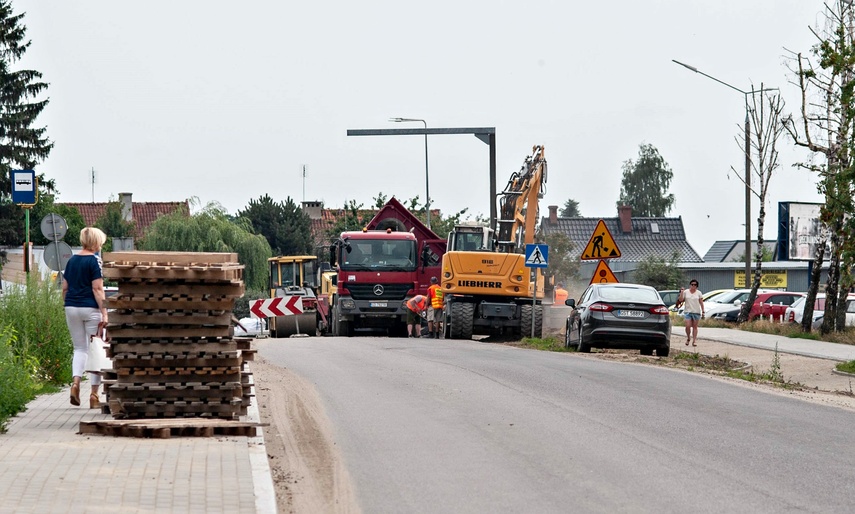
(354, 217)
(766, 255)
(22, 145)
(570, 209)
(659, 273)
(211, 230)
(71, 215)
(645, 184)
(827, 130)
(380, 200)
(286, 227)
(561, 268)
(114, 224)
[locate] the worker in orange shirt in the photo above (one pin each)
(434, 312)
(416, 307)
(560, 295)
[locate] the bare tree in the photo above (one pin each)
(767, 126)
(827, 122)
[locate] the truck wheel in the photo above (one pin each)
(342, 328)
(525, 321)
(462, 318)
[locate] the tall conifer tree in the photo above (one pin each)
(22, 143)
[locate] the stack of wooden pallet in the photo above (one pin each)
(171, 336)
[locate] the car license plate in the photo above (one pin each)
(378, 304)
(630, 314)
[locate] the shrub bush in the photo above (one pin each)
(41, 336)
(241, 308)
(17, 385)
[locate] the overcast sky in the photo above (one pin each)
(226, 101)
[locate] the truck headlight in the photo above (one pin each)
(348, 304)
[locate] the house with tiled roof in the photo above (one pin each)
(142, 214)
(323, 219)
(636, 237)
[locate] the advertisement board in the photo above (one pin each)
(768, 279)
(804, 230)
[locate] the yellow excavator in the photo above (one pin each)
(486, 285)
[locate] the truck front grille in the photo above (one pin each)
(366, 291)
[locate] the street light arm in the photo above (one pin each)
(692, 68)
(427, 179)
(399, 120)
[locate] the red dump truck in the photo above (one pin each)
(380, 268)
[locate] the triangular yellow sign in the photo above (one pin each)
(603, 274)
(602, 245)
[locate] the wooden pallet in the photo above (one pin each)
(167, 258)
(146, 318)
(166, 428)
(175, 346)
(172, 349)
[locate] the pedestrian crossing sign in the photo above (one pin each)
(536, 255)
(602, 245)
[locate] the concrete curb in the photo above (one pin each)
(262, 479)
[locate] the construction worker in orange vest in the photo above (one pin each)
(560, 295)
(416, 307)
(434, 312)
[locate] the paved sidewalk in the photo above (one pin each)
(804, 347)
(46, 467)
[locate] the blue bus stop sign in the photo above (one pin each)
(23, 187)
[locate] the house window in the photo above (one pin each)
(654, 228)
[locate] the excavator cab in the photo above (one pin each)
(471, 238)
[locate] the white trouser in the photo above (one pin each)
(82, 323)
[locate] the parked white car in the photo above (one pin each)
(253, 326)
(728, 300)
(850, 313)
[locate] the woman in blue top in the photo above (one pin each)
(85, 308)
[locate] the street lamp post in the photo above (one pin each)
(747, 178)
(427, 179)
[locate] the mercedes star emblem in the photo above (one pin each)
(378, 290)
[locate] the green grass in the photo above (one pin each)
(846, 367)
(550, 344)
(35, 346)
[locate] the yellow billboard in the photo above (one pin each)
(768, 279)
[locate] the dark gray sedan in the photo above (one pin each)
(629, 316)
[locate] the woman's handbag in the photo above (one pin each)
(98, 359)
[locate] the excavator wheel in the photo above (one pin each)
(462, 318)
(525, 321)
(286, 326)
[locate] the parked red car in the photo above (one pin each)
(774, 304)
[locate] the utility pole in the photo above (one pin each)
(304, 183)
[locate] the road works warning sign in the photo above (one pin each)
(603, 274)
(602, 245)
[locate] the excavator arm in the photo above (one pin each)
(519, 203)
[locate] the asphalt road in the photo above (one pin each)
(448, 426)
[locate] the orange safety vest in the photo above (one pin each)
(435, 295)
(560, 296)
(417, 303)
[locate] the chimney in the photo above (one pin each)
(553, 214)
(127, 206)
(314, 209)
(625, 215)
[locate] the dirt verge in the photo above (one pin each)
(308, 472)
